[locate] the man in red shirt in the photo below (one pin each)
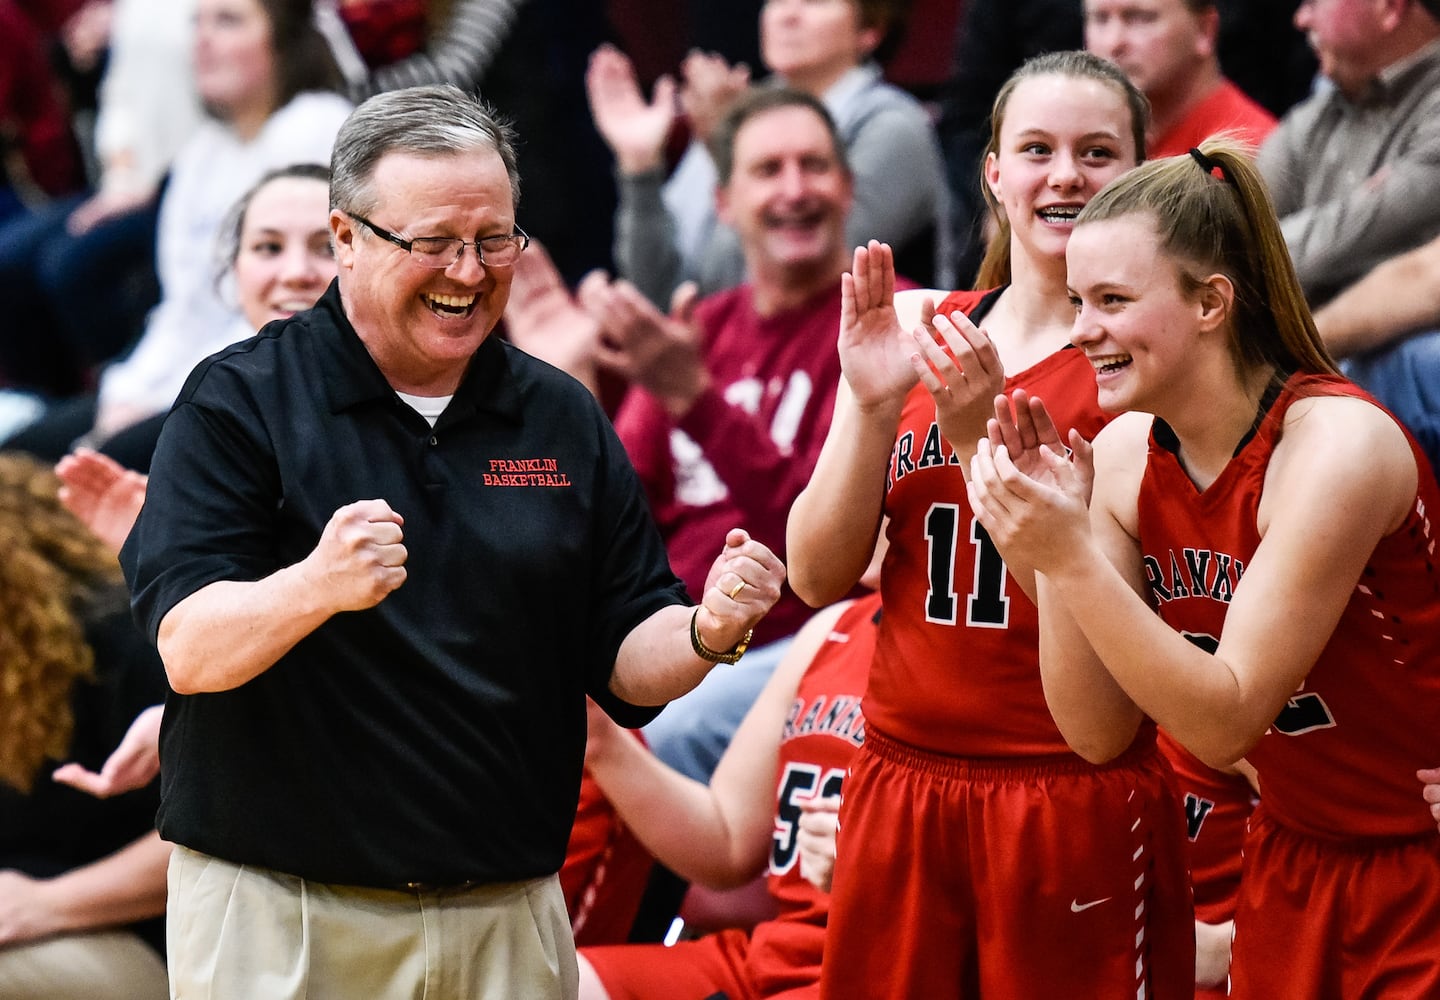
(1168, 49)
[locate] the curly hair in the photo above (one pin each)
(52, 572)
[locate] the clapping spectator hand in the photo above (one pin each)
(646, 347)
(134, 764)
(634, 129)
(543, 319)
(104, 495)
(711, 86)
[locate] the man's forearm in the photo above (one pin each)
(230, 632)
(656, 663)
(1398, 297)
(127, 886)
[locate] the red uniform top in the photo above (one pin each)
(822, 730)
(1226, 109)
(1340, 759)
(957, 662)
(747, 447)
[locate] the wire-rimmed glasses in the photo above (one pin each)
(442, 251)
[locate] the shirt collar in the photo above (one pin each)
(844, 90)
(1393, 81)
(492, 383)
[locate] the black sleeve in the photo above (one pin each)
(632, 575)
(210, 506)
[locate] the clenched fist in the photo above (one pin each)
(360, 557)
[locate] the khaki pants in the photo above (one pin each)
(106, 965)
(242, 932)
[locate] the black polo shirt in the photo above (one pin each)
(439, 736)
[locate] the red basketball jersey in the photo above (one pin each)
(1340, 759)
(822, 730)
(957, 660)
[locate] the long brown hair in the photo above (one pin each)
(53, 568)
(1214, 216)
(995, 268)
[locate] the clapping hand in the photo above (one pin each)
(643, 345)
(711, 86)
(874, 351)
(634, 129)
(1035, 505)
(962, 372)
(104, 495)
(544, 320)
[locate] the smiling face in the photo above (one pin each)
(420, 324)
(811, 43)
(283, 262)
(1134, 319)
(234, 57)
(788, 194)
(1061, 140)
(1160, 44)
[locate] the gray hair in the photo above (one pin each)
(437, 120)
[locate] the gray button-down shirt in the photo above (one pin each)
(1358, 181)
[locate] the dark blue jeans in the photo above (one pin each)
(69, 303)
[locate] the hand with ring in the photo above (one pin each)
(729, 609)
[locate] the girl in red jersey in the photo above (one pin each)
(787, 761)
(1256, 572)
(977, 855)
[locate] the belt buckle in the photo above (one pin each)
(422, 888)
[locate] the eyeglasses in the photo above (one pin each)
(442, 251)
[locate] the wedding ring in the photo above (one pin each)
(736, 589)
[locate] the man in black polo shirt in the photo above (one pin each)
(385, 557)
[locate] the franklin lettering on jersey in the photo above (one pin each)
(1197, 573)
(837, 715)
(934, 451)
